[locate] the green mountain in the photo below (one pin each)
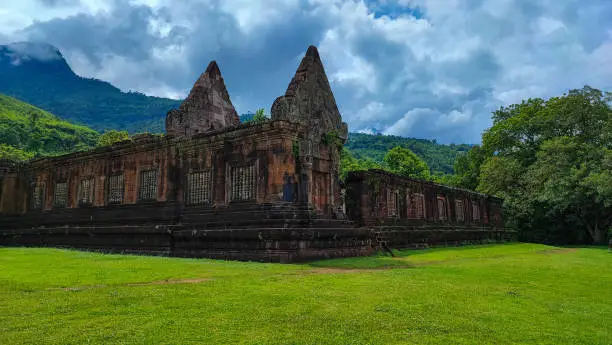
(27, 132)
(39, 75)
(440, 158)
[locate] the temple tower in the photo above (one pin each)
(207, 108)
(310, 102)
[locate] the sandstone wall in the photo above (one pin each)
(266, 149)
(377, 197)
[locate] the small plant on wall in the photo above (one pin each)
(259, 117)
(332, 138)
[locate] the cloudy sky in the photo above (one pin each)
(418, 68)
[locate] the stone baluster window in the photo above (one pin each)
(393, 203)
(475, 211)
(86, 191)
(116, 187)
(242, 181)
(198, 187)
(37, 195)
(409, 206)
(459, 210)
(60, 195)
(148, 185)
(442, 214)
(419, 205)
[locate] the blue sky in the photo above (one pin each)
(417, 68)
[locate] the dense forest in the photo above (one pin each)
(439, 158)
(27, 132)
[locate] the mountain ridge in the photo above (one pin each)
(39, 75)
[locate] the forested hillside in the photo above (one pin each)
(439, 158)
(39, 75)
(27, 131)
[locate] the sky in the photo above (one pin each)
(432, 69)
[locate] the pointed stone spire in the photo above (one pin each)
(309, 99)
(207, 107)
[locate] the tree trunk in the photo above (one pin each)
(597, 234)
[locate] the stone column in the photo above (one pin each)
(305, 183)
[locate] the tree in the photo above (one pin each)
(571, 179)
(467, 168)
(111, 137)
(404, 162)
(349, 163)
(445, 179)
(550, 160)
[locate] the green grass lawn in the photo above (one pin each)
(497, 294)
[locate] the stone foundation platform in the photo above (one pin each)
(282, 232)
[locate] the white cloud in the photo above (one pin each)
(548, 25)
(436, 76)
(406, 123)
(254, 14)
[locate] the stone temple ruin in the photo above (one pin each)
(212, 187)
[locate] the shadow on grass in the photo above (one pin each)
(413, 258)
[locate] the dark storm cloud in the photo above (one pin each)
(123, 32)
(434, 70)
(257, 67)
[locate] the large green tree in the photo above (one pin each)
(550, 160)
(404, 162)
(467, 168)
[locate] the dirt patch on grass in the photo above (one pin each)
(158, 282)
(166, 282)
(556, 251)
(334, 270)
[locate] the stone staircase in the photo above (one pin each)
(279, 232)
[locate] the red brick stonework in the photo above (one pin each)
(212, 187)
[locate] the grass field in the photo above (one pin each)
(497, 294)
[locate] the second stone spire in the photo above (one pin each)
(207, 108)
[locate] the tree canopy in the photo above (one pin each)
(404, 162)
(110, 137)
(551, 161)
